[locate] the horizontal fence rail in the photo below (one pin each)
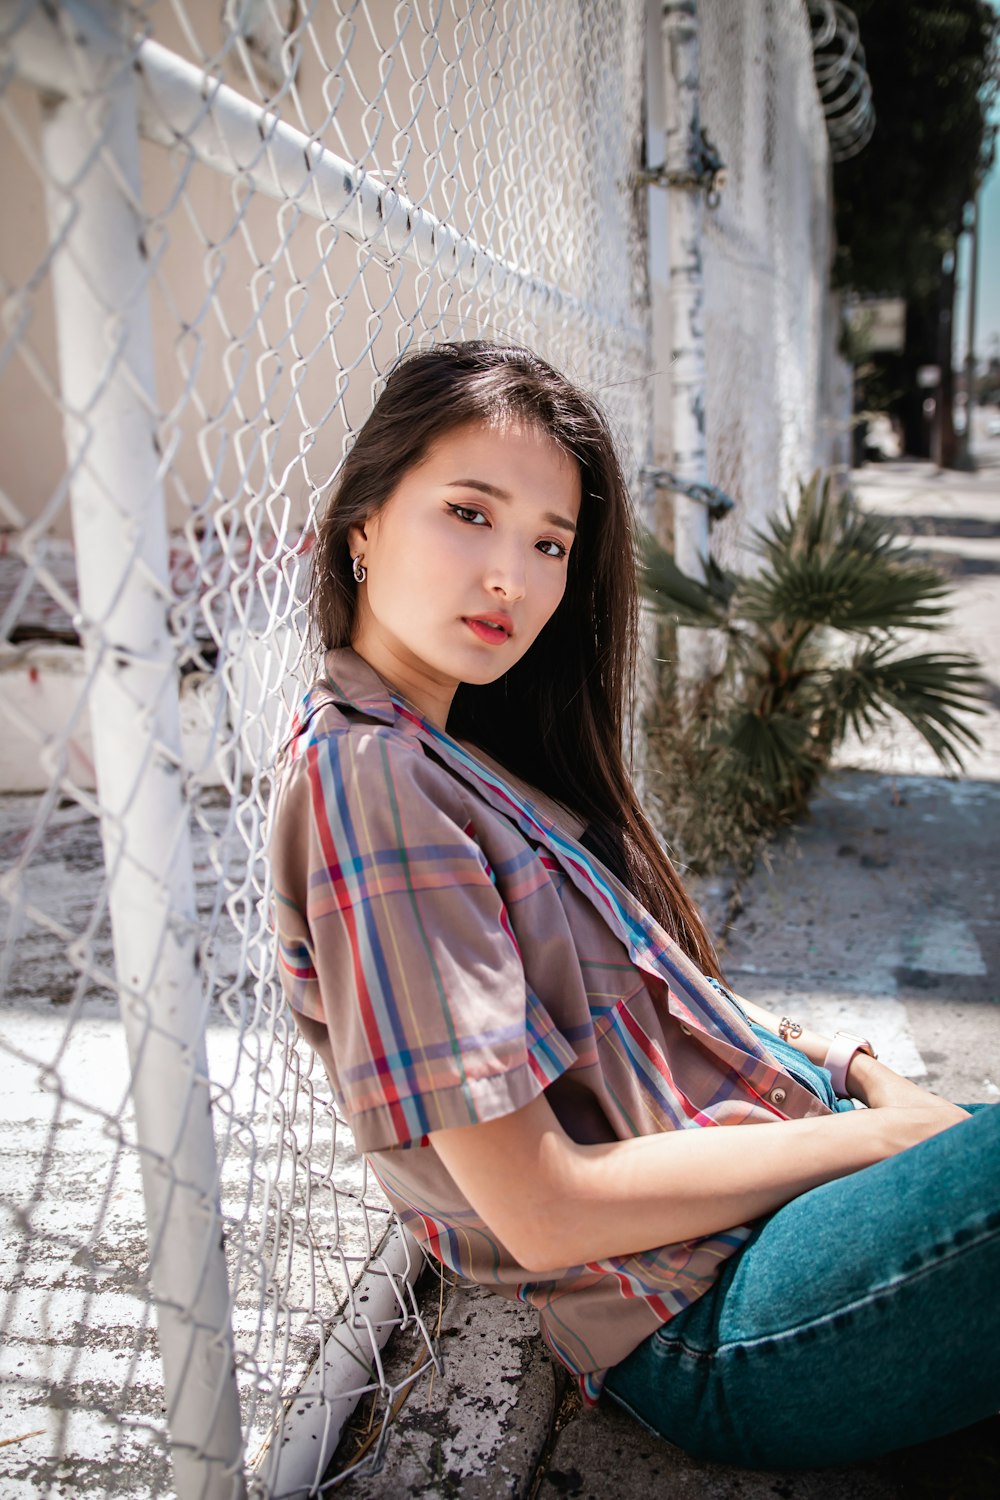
(179, 105)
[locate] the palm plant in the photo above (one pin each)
(813, 648)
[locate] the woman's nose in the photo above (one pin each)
(506, 573)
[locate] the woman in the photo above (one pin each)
(519, 1009)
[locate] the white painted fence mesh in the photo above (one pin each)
(222, 224)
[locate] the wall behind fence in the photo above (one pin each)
(199, 306)
(770, 327)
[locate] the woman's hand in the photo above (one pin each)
(878, 1086)
(869, 1080)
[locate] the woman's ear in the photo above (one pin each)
(357, 538)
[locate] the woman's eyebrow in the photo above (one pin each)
(497, 494)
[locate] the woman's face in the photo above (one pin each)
(466, 560)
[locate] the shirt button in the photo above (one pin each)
(777, 1096)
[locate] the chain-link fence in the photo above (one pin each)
(222, 223)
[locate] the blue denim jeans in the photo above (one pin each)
(862, 1317)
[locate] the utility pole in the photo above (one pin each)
(970, 342)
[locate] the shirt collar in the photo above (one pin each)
(350, 682)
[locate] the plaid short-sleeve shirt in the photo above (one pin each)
(452, 950)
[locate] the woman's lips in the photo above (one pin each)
(494, 635)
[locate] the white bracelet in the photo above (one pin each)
(838, 1059)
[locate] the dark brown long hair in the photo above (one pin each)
(557, 717)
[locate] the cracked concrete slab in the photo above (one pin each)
(478, 1432)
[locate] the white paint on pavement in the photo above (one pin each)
(79, 1365)
(883, 1021)
(878, 1016)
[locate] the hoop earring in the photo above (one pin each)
(359, 570)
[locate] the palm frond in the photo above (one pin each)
(829, 563)
(675, 594)
(933, 691)
(743, 754)
(825, 521)
(773, 749)
(851, 591)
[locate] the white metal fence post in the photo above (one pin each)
(686, 296)
(106, 368)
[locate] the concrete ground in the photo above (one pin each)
(878, 915)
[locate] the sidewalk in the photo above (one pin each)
(879, 915)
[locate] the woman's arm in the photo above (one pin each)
(554, 1203)
(813, 1043)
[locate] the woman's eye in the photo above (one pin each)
(468, 514)
(473, 517)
